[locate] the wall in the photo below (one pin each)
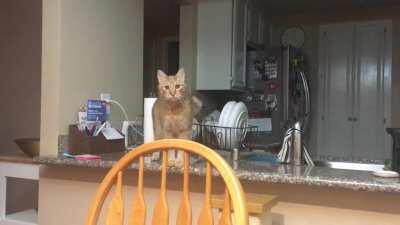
(89, 47)
(161, 23)
(298, 204)
(20, 69)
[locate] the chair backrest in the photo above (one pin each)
(234, 197)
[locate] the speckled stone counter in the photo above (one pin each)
(262, 172)
(16, 158)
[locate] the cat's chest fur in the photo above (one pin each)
(173, 118)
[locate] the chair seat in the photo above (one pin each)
(256, 203)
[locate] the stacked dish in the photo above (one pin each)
(232, 125)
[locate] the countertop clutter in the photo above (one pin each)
(262, 172)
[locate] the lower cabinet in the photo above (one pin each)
(18, 193)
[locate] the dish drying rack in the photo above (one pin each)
(225, 138)
(213, 136)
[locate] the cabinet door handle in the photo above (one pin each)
(349, 118)
(355, 119)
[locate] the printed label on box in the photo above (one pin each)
(96, 110)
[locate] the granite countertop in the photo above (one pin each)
(262, 172)
(16, 158)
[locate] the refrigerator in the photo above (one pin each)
(278, 89)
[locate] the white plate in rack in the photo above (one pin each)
(224, 117)
(225, 113)
(240, 131)
(237, 119)
(234, 115)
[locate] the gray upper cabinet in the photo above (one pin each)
(239, 45)
(221, 45)
(255, 24)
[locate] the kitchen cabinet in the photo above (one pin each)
(252, 22)
(255, 24)
(261, 29)
(354, 89)
(221, 45)
(239, 45)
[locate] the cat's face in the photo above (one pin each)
(171, 88)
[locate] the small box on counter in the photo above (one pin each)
(96, 110)
(80, 143)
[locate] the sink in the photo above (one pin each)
(350, 165)
(269, 158)
(259, 157)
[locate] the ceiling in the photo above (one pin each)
(284, 6)
(162, 16)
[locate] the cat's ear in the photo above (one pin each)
(162, 77)
(180, 75)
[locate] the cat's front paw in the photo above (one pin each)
(155, 156)
(178, 163)
(175, 158)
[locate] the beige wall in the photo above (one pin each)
(89, 47)
(20, 71)
(298, 204)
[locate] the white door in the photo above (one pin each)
(354, 91)
(335, 89)
(371, 47)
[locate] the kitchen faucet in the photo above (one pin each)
(293, 149)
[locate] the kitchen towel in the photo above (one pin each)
(148, 119)
(148, 122)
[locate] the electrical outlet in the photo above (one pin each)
(105, 96)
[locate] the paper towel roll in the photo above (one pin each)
(148, 119)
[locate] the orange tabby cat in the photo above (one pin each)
(173, 110)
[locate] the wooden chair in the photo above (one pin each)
(234, 200)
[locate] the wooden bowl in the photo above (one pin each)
(30, 146)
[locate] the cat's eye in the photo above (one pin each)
(166, 87)
(177, 86)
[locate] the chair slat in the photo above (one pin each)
(138, 212)
(185, 210)
(226, 218)
(115, 214)
(206, 216)
(160, 213)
